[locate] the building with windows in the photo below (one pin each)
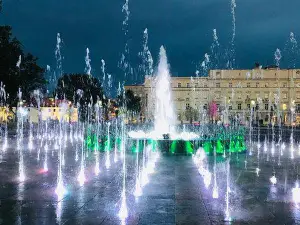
(267, 94)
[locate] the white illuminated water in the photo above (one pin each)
(164, 115)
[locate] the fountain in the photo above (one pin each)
(165, 131)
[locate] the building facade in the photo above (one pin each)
(266, 95)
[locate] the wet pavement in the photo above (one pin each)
(176, 192)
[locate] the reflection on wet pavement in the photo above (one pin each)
(180, 189)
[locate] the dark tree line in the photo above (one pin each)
(130, 102)
(27, 76)
(20, 70)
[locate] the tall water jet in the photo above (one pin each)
(88, 67)
(81, 176)
(19, 62)
(215, 54)
(107, 147)
(126, 11)
(58, 57)
(144, 173)
(117, 136)
(109, 85)
(96, 146)
(277, 56)
(60, 189)
(164, 113)
(146, 67)
(124, 64)
(204, 66)
(123, 212)
(103, 75)
(233, 6)
(138, 190)
(231, 58)
(291, 51)
(227, 210)
(3, 101)
(215, 187)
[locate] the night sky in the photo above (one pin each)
(184, 27)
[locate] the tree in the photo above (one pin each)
(17, 69)
(191, 114)
(132, 103)
(80, 88)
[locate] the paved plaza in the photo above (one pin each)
(176, 192)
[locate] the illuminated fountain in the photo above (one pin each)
(164, 124)
(166, 132)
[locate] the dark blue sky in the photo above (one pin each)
(183, 26)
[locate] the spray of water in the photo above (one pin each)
(291, 51)
(88, 67)
(19, 62)
(164, 116)
(126, 11)
(233, 6)
(58, 55)
(146, 66)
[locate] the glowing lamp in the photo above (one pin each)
(284, 107)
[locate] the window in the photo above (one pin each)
(284, 85)
(187, 105)
(239, 106)
(298, 107)
(218, 74)
(54, 110)
(266, 95)
(230, 107)
(187, 99)
(188, 85)
(239, 95)
(217, 85)
(196, 84)
(257, 84)
(230, 85)
(248, 106)
(248, 85)
(298, 95)
(266, 106)
(266, 85)
(267, 118)
(205, 107)
(146, 99)
(179, 85)
(257, 107)
(205, 85)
